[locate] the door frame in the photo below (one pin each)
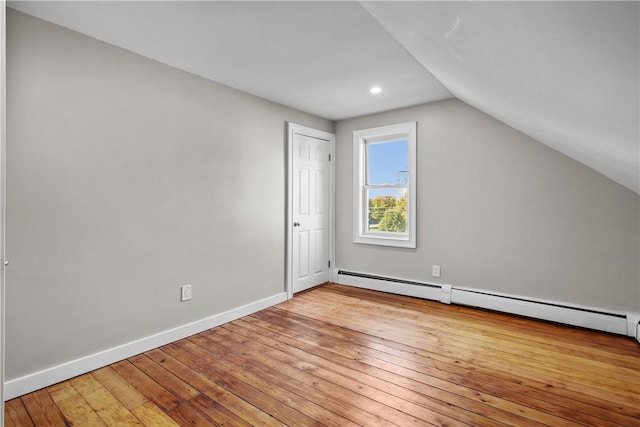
(292, 129)
(3, 135)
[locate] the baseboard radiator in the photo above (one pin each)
(617, 322)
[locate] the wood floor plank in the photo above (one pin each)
(293, 392)
(121, 389)
(209, 365)
(340, 356)
(75, 409)
(43, 410)
(246, 412)
(152, 416)
(229, 384)
(164, 378)
(185, 415)
(145, 385)
(15, 414)
(108, 408)
(217, 413)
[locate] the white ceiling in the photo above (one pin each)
(319, 57)
(565, 73)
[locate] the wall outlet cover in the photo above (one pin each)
(185, 293)
(435, 270)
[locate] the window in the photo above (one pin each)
(385, 185)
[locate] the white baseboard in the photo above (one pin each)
(617, 322)
(46, 377)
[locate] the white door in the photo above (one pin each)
(310, 207)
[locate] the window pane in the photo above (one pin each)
(387, 210)
(388, 162)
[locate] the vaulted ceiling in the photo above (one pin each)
(564, 73)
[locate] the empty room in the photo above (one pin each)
(306, 213)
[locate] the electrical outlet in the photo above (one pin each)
(185, 292)
(435, 270)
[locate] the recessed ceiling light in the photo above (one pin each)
(375, 89)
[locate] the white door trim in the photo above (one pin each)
(3, 134)
(292, 129)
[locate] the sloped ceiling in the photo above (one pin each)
(565, 73)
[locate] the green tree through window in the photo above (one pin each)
(388, 213)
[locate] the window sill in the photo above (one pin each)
(394, 241)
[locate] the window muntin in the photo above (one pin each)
(384, 185)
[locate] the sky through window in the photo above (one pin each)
(388, 162)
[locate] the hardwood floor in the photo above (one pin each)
(341, 356)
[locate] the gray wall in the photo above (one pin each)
(500, 211)
(125, 179)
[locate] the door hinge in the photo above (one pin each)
(329, 156)
(329, 264)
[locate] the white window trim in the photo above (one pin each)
(383, 133)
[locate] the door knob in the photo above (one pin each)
(296, 224)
